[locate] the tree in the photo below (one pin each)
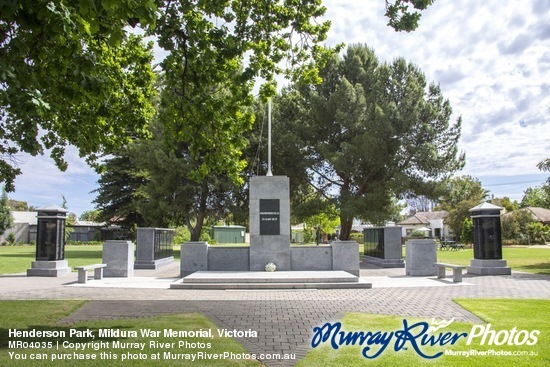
(467, 233)
(90, 215)
(462, 188)
(69, 74)
(506, 203)
(461, 193)
(174, 197)
(419, 204)
(121, 188)
(20, 206)
(372, 132)
(401, 19)
(515, 226)
(538, 196)
(6, 220)
(545, 166)
(207, 91)
(70, 221)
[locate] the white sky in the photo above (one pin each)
(491, 59)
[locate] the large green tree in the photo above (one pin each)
(173, 196)
(371, 132)
(460, 194)
(121, 189)
(70, 74)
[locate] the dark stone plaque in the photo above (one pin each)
(270, 217)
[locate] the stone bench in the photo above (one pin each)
(83, 272)
(457, 271)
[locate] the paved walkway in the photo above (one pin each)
(283, 319)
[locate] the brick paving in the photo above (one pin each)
(283, 319)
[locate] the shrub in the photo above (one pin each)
(10, 239)
(417, 234)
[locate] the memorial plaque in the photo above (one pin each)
(270, 218)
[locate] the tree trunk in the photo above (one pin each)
(201, 215)
(345, 228)
(346, 220)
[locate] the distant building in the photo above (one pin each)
(541, 215)
(24, 227)
(433, 223)
(25, 224)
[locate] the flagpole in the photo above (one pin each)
(269, 173)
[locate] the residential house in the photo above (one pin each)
(541, 215)
(432, 223)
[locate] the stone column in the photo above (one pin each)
(50, 243)
(269, 222)
(119, 257)
(420, 257)
(487, 242)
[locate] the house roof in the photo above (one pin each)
(540, 214)
(24, 217)
(424, 217)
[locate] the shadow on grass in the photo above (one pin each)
(83, 254)
(541, 268)
(29, 255)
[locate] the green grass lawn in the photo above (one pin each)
(501, 314)
(17, 259)
(531, 260)
(43, 315)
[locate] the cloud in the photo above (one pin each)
(517, 46)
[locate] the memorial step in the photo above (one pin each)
(270, 286)
(271, 277)
(276, 280)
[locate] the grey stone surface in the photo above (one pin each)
(311, 258)
(269, 249)
(273, 187)
(489, 267)
(48, 268)
(145, 245)
(345, 256)
(119, 257)
(145, 250)
(421, 256)
(228, 258)
(384, 263)
(194, 257)
(392, 243)
(284, 319)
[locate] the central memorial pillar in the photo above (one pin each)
(269, 222)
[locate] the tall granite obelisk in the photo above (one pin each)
(269, 222)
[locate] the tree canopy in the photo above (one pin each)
(371, 132)
(460, 194)
(403, 19)
(69, 74)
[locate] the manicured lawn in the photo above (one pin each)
(531, 260)
(17, 259)
(501, 314)
(43, 315)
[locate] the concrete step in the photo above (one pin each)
(283, 277)
(270, 286)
